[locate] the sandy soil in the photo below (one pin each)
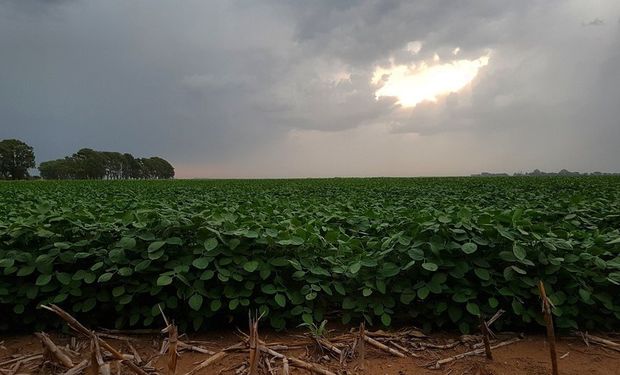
(528, 356)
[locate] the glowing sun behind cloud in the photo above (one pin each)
(413, 84)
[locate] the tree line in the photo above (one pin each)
(16, 157)
(538, 172)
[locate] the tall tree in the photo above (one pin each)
(131, 168)
(157, 168)
(91, 164)
(113, 165)
(15, 159)
(61, 169)
(164, 170)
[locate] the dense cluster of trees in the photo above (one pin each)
(91, 164)
(15, 159)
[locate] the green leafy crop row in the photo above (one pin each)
(429, 252)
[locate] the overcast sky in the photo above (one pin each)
(317, 88)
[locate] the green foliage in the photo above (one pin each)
(432, 252)
(90, 164)
(318, 331)
(15, 159)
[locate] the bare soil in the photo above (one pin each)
(528, 356)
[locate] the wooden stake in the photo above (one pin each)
(254, 352)
(361, 346)
(485, 338)
(173, 355)
(550, 332)
(96, 359)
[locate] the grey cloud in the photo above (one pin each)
(363, 31)
(25, 7)
(233, 84)
(595, 22)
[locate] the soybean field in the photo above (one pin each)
(431, 252)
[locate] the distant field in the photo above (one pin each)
(433, 252)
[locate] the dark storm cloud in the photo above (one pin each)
(276, 88)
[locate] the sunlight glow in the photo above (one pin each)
(413, 84)
(414, 47)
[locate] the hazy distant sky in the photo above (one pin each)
(317, 88)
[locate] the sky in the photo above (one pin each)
(250, 89)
